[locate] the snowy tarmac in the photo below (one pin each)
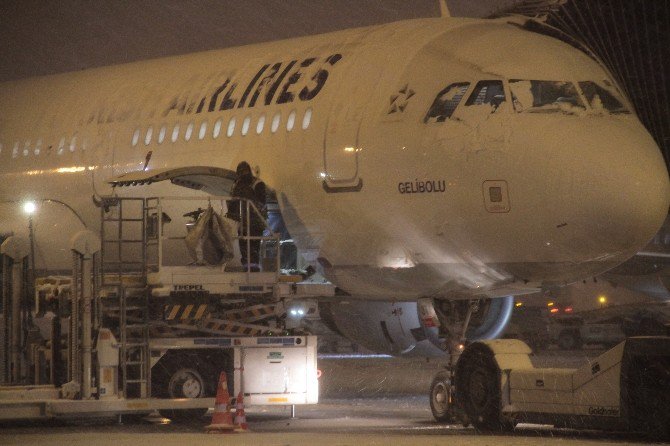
(364, 402)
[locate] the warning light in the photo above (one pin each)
(29, 207)
(518, 304)
(568, 309)
(602, 299)
(550, 304)
(553, 310)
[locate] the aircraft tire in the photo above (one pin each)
(440, 395)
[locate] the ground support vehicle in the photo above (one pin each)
(278, 370)
(529, 324)
(610, 325)
(139, 325)
(572, 332)
(493, 385)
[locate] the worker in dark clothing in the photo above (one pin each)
(251, 188)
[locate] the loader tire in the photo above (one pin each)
(478, 389)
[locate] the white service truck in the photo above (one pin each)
(277, 370)
(146, 321)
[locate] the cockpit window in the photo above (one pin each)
(487, 92)
(545, 96)
(446, 102)
(601, 99)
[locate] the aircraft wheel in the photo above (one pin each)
(441, 398)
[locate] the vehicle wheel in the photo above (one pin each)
(478, 388)
(184, 383)
(440, 398)
(569, 340)
(183, 376)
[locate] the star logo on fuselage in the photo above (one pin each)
(400, 100)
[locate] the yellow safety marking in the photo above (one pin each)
(201, 311)
(187, 311)
(173, 313)
(278, 400)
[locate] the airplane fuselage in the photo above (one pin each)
(391, 175)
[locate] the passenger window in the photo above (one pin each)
(136, 137)
(446, 102)
(175, 133)
(161, 134)
(73, 144)
(188, 132)
(307, 119)
(61, 146)
(203, 130)
(276, 120)
(487, 93)
(245, 125)
(217, 128)
(147, 137)
(38, 147)
(231, 127)
(260, 125)
(15, 151)
(290, 122)
(26, 148)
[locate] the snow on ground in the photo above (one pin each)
(374, 401)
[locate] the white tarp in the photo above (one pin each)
(211, 239)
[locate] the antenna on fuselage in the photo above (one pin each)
(444, 9)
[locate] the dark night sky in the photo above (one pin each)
(42, 37)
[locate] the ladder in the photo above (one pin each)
(123, 268)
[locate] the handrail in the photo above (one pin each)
(247, 207)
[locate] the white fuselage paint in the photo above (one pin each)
(583, 192)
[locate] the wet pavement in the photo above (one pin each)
(375, 401)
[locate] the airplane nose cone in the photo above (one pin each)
(621, 183)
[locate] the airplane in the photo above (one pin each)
(428, 168)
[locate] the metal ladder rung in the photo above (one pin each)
(121, 259)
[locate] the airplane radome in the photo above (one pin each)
(443, 158)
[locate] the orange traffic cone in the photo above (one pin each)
(240, 417)
(222, 420)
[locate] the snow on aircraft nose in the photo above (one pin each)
(618, 184)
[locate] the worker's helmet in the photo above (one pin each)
(243, 169)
